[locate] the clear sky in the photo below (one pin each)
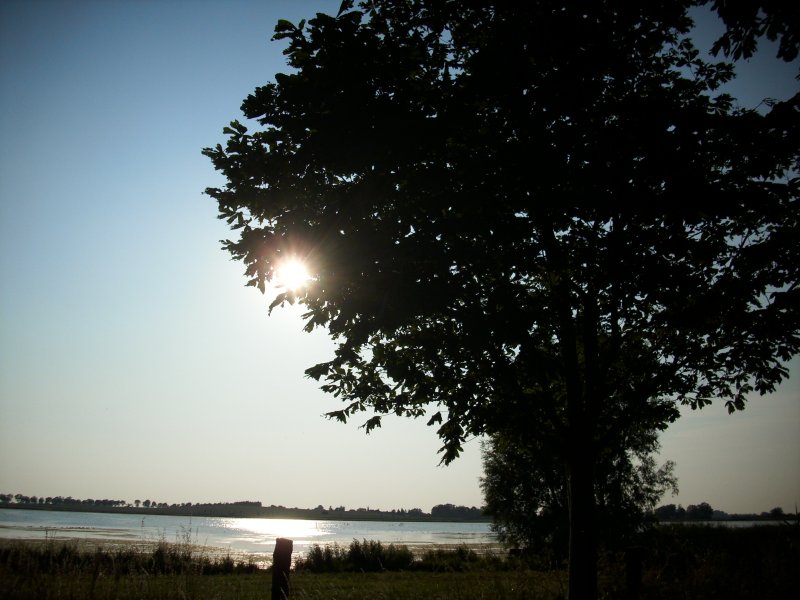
(133, 361)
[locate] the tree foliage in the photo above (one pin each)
(528, 213)
(748, 21)
(700, 512)
(452, 512)
(526, 494)
(446, 188)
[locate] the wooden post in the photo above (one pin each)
(281, 563)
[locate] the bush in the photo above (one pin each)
(323, 559)
(370, 556)
(367, 556)
(459, 559)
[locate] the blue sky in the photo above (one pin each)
(133, 361)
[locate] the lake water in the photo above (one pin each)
(251, 536)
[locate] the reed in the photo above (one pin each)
(367, 556)
(677, 562)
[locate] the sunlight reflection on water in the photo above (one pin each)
(275, 528)
(235, 534)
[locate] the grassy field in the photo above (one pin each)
(677, 562)
(351, 586)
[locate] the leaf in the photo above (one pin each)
(284, 26)
(279, 299)
(437, 418)
(344, 7)
(372, 424)
(238, 127)
(339, 415)
(317, 371)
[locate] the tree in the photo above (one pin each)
(525, 491)
(456, 513)
(522, 212)
(747, 21)
(699, 512)
(670, 512)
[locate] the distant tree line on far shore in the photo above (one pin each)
(704, 512)
(57, 501)
(245, 508)
(249, 508)
(460, 513)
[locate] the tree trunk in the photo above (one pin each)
(582, 544)
(580, 416)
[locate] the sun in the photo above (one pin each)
(292, 274)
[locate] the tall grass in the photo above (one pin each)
(64, 570)
(32, 560)
(676, 562)
(367, 556)
(722, 562)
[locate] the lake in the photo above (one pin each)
(250, 536)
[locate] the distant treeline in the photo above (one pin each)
(254, 509)
(247, 509)
(705, 512)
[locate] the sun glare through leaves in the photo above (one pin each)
(292, 275)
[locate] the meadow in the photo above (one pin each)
(676, 562)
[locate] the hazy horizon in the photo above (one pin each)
(188, 503)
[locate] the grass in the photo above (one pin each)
(67, 570)
(691, 561)
(367, 556)
(476, 585)
(60, 571)
(677, 562)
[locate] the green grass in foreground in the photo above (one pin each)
(678, 562)
(306, 586)
(60, 571)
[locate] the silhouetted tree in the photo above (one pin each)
(670, 512)
(453, 512)
(525, 490)
(532, 212)
(776, 513)
(747, 21)
(699, 512)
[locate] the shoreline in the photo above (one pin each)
(229, 511)
(244, 537)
